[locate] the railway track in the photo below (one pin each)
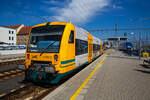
(28, 92)
(5, 75)
(12, 61)
(11, 57)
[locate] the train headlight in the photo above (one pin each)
(56, 57)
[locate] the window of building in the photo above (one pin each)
(9, 32)
(12, 32)
(12, 38)
(12, 43)
(71, 38)
(9, 38)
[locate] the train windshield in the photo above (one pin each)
(46, 38)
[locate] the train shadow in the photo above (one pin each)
(145, 66)
(142, 71)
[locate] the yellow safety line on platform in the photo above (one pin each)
(87, 79)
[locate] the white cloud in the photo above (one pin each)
(53, 8)
(55, 2)
(51, 1)
(117, 7)
(80, 11)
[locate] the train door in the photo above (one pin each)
(101, 48)
(67, 51)
(90, 47)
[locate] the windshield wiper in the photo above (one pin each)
(47, 47)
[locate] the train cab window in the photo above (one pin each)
(71, 38)
(46, 38)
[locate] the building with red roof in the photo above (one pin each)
(15, 34)
(16, 27)
(23, 35)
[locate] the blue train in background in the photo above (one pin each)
(126, 46)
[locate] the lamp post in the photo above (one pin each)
(133, 37)
(134, 40)
(140, 29)
(140, 24)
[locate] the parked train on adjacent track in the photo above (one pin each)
(57, 49)
(126, 46)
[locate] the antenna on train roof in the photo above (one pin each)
(47, 23)
(69, 19)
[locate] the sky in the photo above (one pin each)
(89, 14)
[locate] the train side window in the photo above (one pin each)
(71, 38)
(77, 47)
(81, 47)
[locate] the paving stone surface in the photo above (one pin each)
(120, 77)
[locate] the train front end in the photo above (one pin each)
(42, 59)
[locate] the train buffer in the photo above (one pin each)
(110, 77)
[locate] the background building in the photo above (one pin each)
(17, 27)
(7, 35)
(22, 35)
(14, 34)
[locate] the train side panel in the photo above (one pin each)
(90, 48)
(101, 47)
(81, 46)
(96, 47)
(67, 49)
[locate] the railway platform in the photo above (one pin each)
(113, 76)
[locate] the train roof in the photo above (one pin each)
(96, 40)
(81, 34)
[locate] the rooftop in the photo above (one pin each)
(25, 30)
(14, 26)
(5, 26)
